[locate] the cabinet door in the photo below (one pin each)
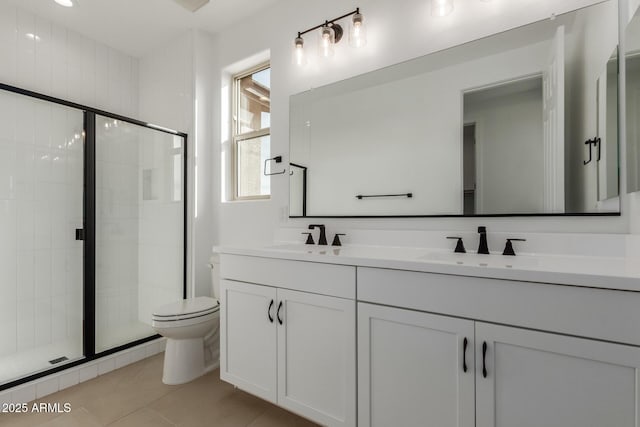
(317, 357)
(538, 379)
(248, 337)
(411, 369)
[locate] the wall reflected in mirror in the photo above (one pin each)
(632, 92)
(522, 122)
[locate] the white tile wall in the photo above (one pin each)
(41, 169)
(65, 64)
(68, 379)
(87, 372)
(38, 203)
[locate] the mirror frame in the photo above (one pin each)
(620, 89)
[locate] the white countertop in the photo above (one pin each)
(598, 272)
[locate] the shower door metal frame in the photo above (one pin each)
(89, 229)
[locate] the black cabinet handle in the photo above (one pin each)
(484, 359)
(278, 313)
(465, 342)
(269, 311)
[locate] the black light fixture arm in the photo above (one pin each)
(328, 23)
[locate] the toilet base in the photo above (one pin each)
(183, 361)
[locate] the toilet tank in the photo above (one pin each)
(214, 264)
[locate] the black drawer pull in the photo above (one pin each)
(269, 312)
(465, 342)
(278, 313)
(484, 359)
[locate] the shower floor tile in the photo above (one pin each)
(37, 359)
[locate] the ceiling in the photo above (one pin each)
(138, 26)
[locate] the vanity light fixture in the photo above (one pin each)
(65, 3)
(441, 7)
(331, 33)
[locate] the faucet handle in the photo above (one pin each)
(336, 239)
(309, 239)
(508, 248)
(459, 245)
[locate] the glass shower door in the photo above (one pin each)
(41, 262)
(139, 228)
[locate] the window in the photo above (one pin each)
(252, 132)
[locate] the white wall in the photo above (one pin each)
(42, 280)
(394, 36)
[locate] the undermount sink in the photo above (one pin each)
(472, 259)
(303, 249)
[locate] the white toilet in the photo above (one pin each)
(188, 325)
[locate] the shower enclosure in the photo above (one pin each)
(92, 232)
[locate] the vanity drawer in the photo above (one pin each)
(326, 279)
(586, 312)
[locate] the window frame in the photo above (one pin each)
(237, 137)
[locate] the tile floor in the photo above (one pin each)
(135, 396)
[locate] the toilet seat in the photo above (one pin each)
(188, 311)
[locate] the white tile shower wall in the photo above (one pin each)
(65, 64)
(35, 251)
(41, 199)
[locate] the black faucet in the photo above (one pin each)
(482, 247)
(322, 240)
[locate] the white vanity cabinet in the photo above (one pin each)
(411, 363)
(283, 338)
(411, 372)
(433, 349)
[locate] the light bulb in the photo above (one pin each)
(65, 3)
(298, 57)
(326, 42)
(358, 31)
(441, 7)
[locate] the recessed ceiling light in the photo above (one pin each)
(65, 3)
(33, 36)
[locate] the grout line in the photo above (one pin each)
(158, 413)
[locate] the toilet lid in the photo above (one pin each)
(191, 306)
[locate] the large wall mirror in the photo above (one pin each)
(520, 123)
(632, 61)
